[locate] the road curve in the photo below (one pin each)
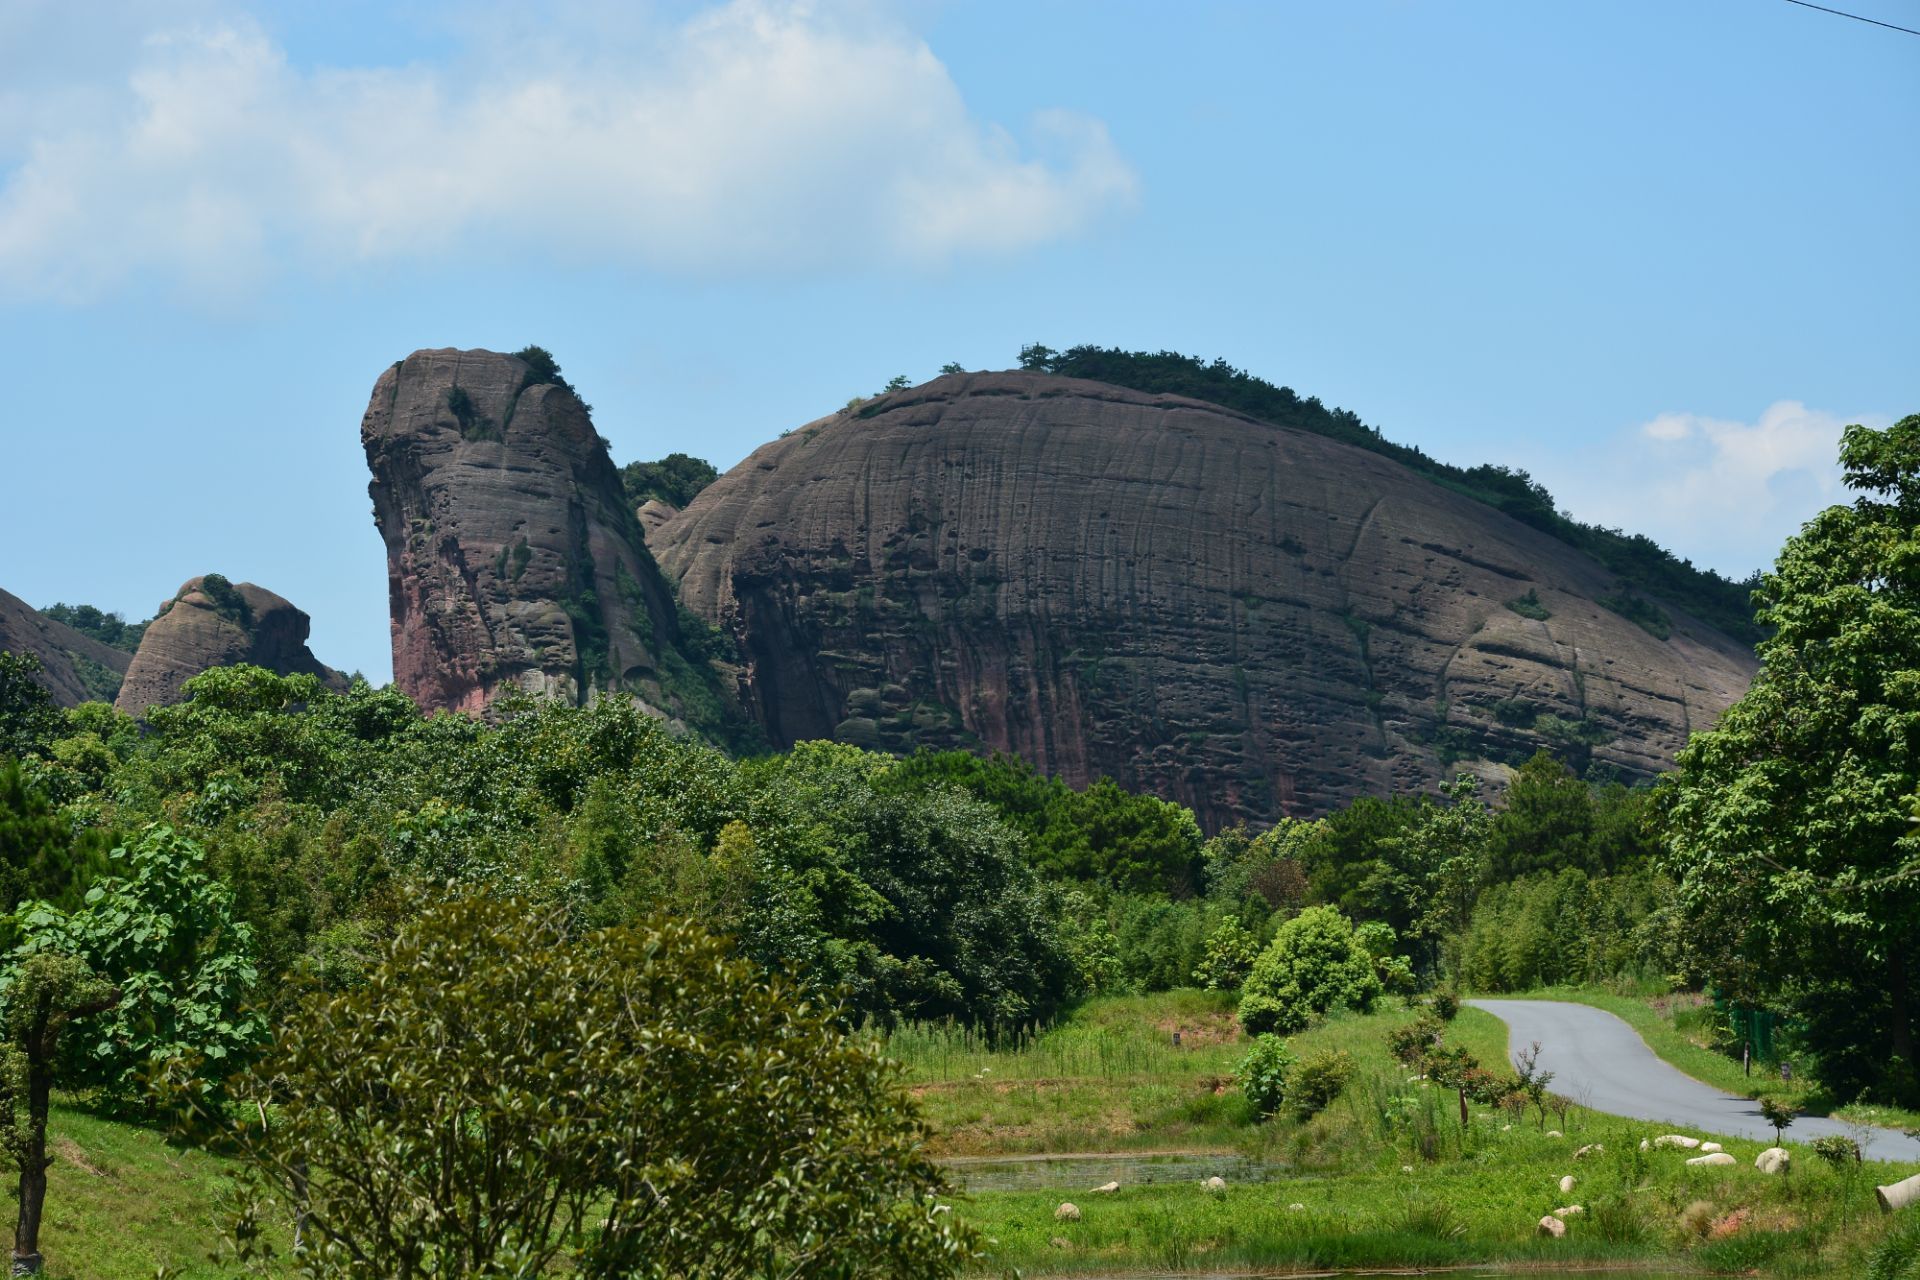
(1602, 1063)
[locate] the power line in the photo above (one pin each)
(1856, 17)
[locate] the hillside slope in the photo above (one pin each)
(1247, 618)
(74, 668)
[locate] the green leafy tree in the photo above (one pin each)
(161, 930)
(29, 721)
(1548, 823)
(41, 997)
(505, 1098)
(676, 479)
(1264, 1072)
(1231, 951)
(1789, 823)
(1314, 964)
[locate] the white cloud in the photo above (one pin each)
(756, 136)
(1723, 493)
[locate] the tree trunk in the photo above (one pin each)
(1463, 1110)
(33, 1160)
(1902, 1011)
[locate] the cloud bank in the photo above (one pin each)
(758, 136)
(1714, 489)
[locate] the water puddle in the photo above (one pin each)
(1082, 1173)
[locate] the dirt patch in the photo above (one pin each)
(1205, 1029)
(70, 1151)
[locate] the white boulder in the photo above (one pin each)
(1067, 1212)
(1552, 1226)
(1566, 1184)
(1713, 1157)
(1773, 1160)
(1106, 1188)
(1676, 1140)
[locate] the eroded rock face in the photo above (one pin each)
(74, 668)
(513, 557)
(212, 623)
(1248, 619)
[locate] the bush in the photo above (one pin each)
(1314, 965)
(1263, 1074)
(1411, 1043)
(1445, 1004)
(631, 1102)
(1231, 951)
(1837, 1149)
(1316, 1081)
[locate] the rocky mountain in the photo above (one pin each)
(75, 668)
(211, 622)
(1247, 618)
(514, 557)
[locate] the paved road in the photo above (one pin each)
(1601, 1062)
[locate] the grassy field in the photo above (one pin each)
(1673, 1027)
(1385, 1177)
(122, 1203)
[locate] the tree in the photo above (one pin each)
(1231, 951)
(503, 1097)
(1547, 825)
(28, 719)
(43, 996)
(1778, 1112)
(162, 931)
(1314, 964)
(1789, 823)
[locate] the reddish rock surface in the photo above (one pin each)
(514, 559)
(1246, 618)
(75, 668)
(202, 628)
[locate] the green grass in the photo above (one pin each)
(122, 1202)
(1386, 1177)
(1672, 1028)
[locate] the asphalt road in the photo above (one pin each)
(1602, 1063)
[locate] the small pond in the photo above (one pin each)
(1082, 1173)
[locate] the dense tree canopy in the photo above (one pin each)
(1791, 824)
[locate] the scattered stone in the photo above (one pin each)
(1708, 1148)
(1553, 1227)
(1566, 1184)
(1061, 1242)
(1406, 1168)
(1676, 1140)
(1067, 1212)
(1571, 1211)
(1594, 1149)
(1555, 1133)
(1713, 1157)
(1296, 1206)
(1644, 1144)
(1106, 1187)
(1215, 1183)
(1773, 1160)
(1505, 1127)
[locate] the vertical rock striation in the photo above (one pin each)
(514, 559)
(1246, 618)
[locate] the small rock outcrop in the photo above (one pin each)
(1246, 618)
(74, 668)
(1773, 1160)
(1067, 1212)
(211, 622)
(514, 559)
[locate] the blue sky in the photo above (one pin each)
(1657, 253)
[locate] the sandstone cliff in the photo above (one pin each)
(74, 668)
(1246, 618)
(210, 623)
(514, 557)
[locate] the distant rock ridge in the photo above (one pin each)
(74, 668)
(515, 559)
(209, 623)
(1246, 618)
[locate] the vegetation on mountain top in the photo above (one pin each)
(1642, 564)
(675, 479)
(110, 629)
